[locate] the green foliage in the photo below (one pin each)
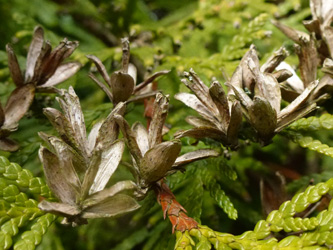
(313, 123)
(210, 36)
(12, 174)
(199, 179)
(299, 133)
(209, 179)
(246, 36)
(18, 211)
(304, 233)
(233, 50)
(195, 198)
(310, 143)
(29, 239)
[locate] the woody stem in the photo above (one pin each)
(176, 213)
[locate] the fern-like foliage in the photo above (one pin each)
(18, 211)
(233, 50)
(313, 123)
(207, 35)
(254, 30)
(195, 198)
(199, 179)
(209, 179)
(302, 233)
(298, 132)
(312, 144)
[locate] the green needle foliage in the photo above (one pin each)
(299, 133)
(324, 122)
(209, 180)
(18, 211)
(207, 118)
(302, 233)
